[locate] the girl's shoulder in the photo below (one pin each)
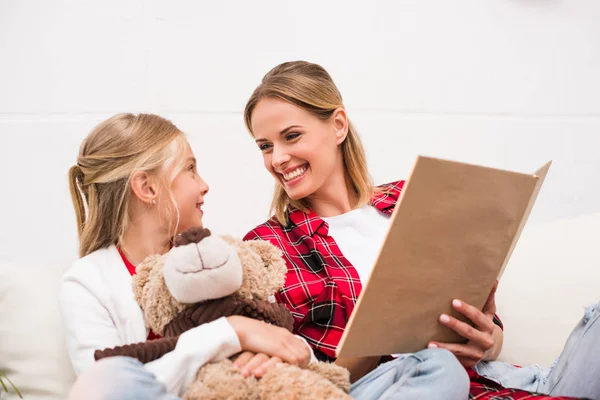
(88, 268)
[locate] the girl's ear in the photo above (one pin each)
(340, 124)
(144, 187)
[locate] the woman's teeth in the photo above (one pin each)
(295, 173)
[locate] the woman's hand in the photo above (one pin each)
(257, 365)
(270, 340)
(484, 338)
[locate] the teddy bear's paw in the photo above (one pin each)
(339, 376)
(289, 382)
(191, 235)
(221, 381)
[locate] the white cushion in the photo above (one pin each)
(552, 275)
(32, 349)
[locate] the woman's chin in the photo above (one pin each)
(297, 193)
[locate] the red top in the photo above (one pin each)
(131, 269)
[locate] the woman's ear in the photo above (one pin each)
(340, 124)
(144, 187)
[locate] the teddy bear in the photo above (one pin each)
(205, 277)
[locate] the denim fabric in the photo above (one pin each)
(575, 373)
(119, 378)
(428, 374)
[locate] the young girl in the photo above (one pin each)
(330, 222)
(134, 187)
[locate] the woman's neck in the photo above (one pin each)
(143, 239)
(335, 197)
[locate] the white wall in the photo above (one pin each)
(508, 84)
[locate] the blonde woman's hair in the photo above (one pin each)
(310, 87)
(100, 181)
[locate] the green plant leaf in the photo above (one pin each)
(11, 384)
(2, 382)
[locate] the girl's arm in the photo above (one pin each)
(89, 327)
(87, 324)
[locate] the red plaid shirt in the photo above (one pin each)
(322, 286)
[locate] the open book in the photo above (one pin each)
(451, 235)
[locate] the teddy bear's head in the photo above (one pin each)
(202, 267)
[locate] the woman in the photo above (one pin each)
(330, 222)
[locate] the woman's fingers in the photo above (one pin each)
(481, 321)
(467, 355)
(484, 340)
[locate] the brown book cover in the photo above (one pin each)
(451, 236)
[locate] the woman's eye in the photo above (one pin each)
(192, 167)
(292, 136)
(264, 147)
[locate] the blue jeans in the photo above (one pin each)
(428, 374)
(575, 373)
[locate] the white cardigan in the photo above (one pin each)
(99, 311)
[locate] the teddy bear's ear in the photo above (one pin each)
(152, 295)
(273, 262)
(142, 277)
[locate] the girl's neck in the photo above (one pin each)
(142, 240)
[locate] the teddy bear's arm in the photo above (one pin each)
(144, 351)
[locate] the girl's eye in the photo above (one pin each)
(292, 136)
(192, 167)
(264, 147)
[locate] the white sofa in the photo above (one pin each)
(554, 272)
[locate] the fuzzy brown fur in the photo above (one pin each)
(221, 380)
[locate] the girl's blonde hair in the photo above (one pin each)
(310, 87)
(100, 181)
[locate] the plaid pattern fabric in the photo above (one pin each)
(322, 286)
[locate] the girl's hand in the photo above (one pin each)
(270, 340)
(257, 365)
(484, 338)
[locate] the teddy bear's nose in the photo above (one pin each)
(202, 271)
(213, 252)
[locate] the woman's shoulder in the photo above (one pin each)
(395, 186)
(269, 228)
(386, 196)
